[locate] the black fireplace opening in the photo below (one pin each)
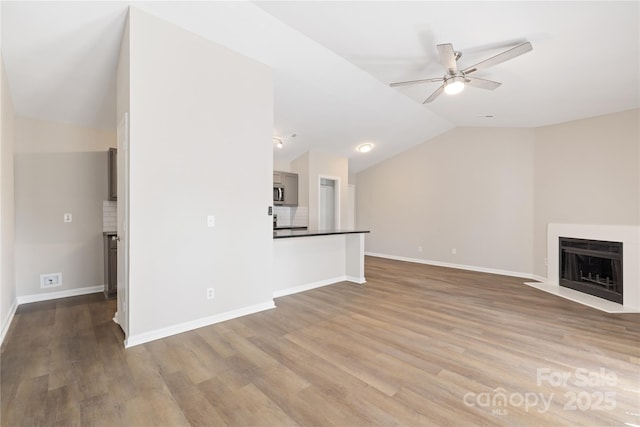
(592, 266)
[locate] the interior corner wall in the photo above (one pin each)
(586, 172)
(200, 144)
(59, 168)
(7, 232)
(470, 189)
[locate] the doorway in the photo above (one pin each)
(329, 213)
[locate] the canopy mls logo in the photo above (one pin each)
(602, 399)
(498, 400)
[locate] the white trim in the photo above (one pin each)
(336, 195)
(25, 299)
(8, 320)
(145, 337)
(458, 266)
(308, 286)
(538, 278)
(629, 235)
(358, 280)
(582, 298)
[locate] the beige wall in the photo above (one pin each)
(586, 172)
(470, 189)
(59, 169)
(200, 144)
(490, 193)
(42, 136)
(323, 165)
(7, 231)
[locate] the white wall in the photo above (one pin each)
(7, 232)
(200, 144)
(470, 189)
(586, 172)
(59, 169)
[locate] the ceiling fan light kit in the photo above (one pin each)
(454, 85)
(279, 142)
(455, 80)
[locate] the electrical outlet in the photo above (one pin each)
(68, 217)
(210, 293)
(454, 251)
(50, 280)
(419, 248)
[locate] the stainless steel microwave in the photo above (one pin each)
(278, 195)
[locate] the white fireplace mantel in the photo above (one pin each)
(630, 238)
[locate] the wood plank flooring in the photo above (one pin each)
(416, 345)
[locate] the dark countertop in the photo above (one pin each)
(297, 227)
(282, 234)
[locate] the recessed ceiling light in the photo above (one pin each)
(365, 148)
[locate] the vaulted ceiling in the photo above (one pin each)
(333, 61)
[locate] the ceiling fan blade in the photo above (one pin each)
(500, 58)
(434, 95)
(448, 57)
(415, 82)
(481, 83)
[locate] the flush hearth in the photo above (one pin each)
(592, 266)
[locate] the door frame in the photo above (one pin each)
(336, 195)
(123, 315)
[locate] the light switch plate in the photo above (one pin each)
(211, 221)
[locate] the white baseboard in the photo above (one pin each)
(458, 266)
(8, 320)
(308, 286)
(358, 280)
(145, 337)
(25, 299)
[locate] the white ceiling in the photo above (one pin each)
(332, 63)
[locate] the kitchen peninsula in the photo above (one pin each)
(307, 259)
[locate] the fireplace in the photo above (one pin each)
(592, 266)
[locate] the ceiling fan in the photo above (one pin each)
(455, 80)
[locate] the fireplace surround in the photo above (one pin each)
(592, 266)
(628, 235)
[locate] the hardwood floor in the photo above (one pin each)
(416, 345)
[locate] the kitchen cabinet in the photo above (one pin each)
(113, 174)
(288, 181)
(110, 264)
(277, 177)
(290, 189)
